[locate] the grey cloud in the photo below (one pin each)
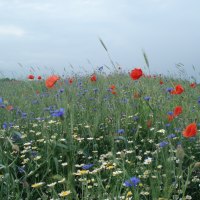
(58, 32)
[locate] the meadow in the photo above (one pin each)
(99, 137)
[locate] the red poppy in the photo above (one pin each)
(190, 130)
(136, 73)
(178, 90)
(70, 80)
(193, 85)
(51, 80)
(9, 108)
(114, 92)
(170, 117)
(178, 110)
(31, 77)
(39, 77)
(93, 78)
(112, 87)
(161, 82)
(149, 123)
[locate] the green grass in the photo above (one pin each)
(40, 148)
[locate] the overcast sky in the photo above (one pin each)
(50, 34)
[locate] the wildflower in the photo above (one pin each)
(81, 172)
(188, 197)
(93, 78)
(178, 90)
(163, 144)
(159, 166)
(39, 77)
(169, 90)
(62, 180)
(193, 85)
(136, 73)
(112, 87)
(70, 80)
(110, 166)
(129, 194)
(170, 117)
(113, 92)
(5, 125)
(64, 193)
(31, 77)
(148, 161)
(117, 172)
(58, 113)
(50, 81)
(161, 131)
(88, 166)
(190, 130)
(61, 90)
(37, 158)
(120, 131)
(178, 110)
(133, 181)
(171, 136)
(37, 185)
(51, 184)
(21, 169)
(147, 98)
(64, 164)
(149, 123)
(9, 108)
(161, 82)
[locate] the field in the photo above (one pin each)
(100, 137)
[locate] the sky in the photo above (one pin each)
(62, 36)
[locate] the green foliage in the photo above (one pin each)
(118, 133)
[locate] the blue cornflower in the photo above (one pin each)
(1, 100)
(87, 166)
(5, 125)
(23, 115)
(147, 98)
(135, 118)
(21, 169)
(170, 113)
(132, 182)
(2, 106)
(34, 153)
(58, 113)
(170, 136)
(120, 131)
(61, 90)
(163, 144)
(95, 90)
(169, 89)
